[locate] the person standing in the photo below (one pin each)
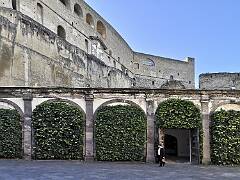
(161, 155)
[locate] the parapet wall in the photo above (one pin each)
(224, 81)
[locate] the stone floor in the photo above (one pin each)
(59, 170)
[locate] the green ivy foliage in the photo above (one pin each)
(177, 113)
(225, 143)
(10, 134)
(180, 114)
(120, 133)
(58, 131)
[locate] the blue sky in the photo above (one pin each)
(208, 30)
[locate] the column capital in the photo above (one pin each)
(89, 97)
(205, 98)
(27, 96)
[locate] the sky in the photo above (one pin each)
(208, 30)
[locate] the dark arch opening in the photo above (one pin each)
(61, 32)
(101, 29)
(171, 145)
(89, 20)
(14, 4)
(78, 10)
(65, 2)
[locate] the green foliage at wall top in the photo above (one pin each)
(225, 143)
(58, 131)
(10, 134)
(176, 113)
(120, 133)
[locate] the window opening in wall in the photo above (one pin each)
(86, 45)
(64, 2)
(61, 32)
(153, 83)
(101, 29)
(110, 53)
(171, 77)
(14, 4)
(40, 12)
(134, 82)
(148, 62)
(190, 82)
(89, 20)
(136, 65)
(78, 10)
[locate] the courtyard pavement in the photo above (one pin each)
(61, 170)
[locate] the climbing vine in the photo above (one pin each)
(225, 142)
(176, 113)
(120, 133)
(10, 134)
(58, 131)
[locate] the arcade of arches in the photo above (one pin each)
(181, 131)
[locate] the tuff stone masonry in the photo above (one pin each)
(66, 43)
(63, 50)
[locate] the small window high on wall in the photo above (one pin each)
(64, 2)
(14, 4)
(78, 10)
(101, 29)
(61, 32)
(89, 20)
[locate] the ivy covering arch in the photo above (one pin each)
(10, 134)
(177, 113)
(58, 131)
(120, 133)
(225, 137)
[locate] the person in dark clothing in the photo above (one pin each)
(161, 155)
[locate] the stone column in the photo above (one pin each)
(206, 132)
(89, 143)
(150, 131)
(27, 129)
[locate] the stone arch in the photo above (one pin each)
(188, 103)
(127, 102)
(222, 104)
(73, 129)
(118, 101)
(89, 20)
(15, 106)
(101, 29)
(65, 101)
(21, 113)
(61, 32)
(171, 144)
(78, 10)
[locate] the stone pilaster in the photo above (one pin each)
(89, 142)
(27, 128)
(206, 132)
(150, 131)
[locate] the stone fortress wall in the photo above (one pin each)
(67, 43)
(221, 81)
